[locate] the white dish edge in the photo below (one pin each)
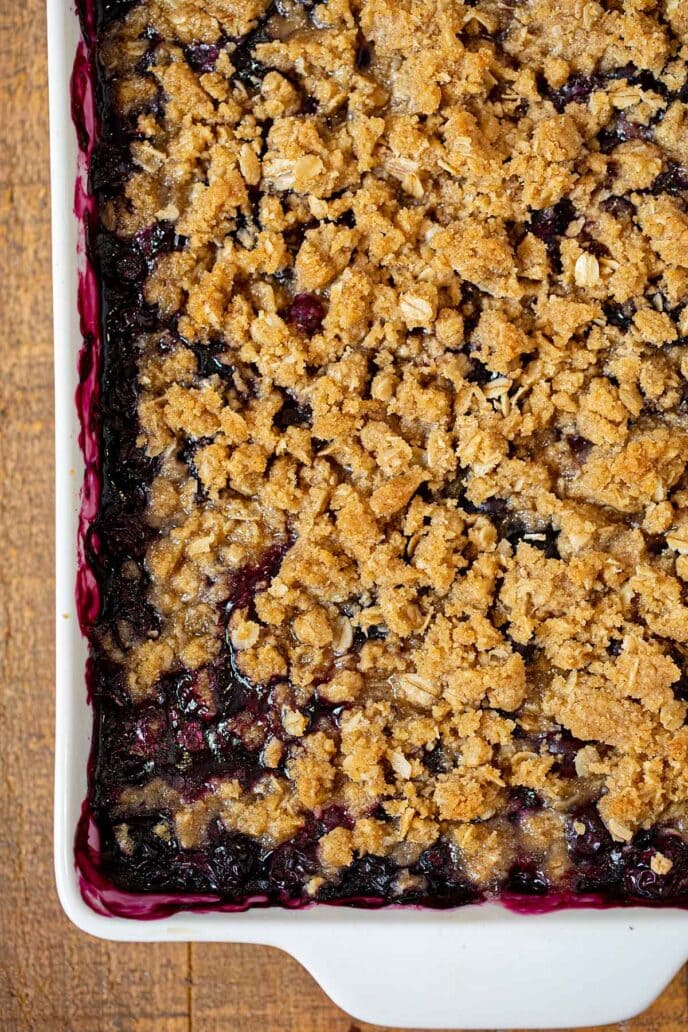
(476, 967)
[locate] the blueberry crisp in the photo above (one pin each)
(392, 545)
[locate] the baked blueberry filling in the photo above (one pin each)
(393, 529)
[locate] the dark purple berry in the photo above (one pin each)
(190, 737)
(621, 131)
(364, 54)
(619, 207)
(549, 223)
(673, 181)
(620, 315)
(306, 312)
(334, 817)
(646, 876)
(565, 747)
(120, 261)
(447, 884)
(157, 238)
(545, 540)
(614, 647)
(436, 761)
(368, 877)
(107, 10)
(576, 90)
(580, 446)
(209, 360)
(293, 414)
(202, 56)
(586, 835)
(522, 801)
(232, 859)
(251, 579)
(110, 166)
(293, 863)
(525, 878)
(247, 68)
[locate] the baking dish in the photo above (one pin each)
(473, 967)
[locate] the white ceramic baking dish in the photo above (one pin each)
(476, 967)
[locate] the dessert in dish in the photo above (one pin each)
(392, 546)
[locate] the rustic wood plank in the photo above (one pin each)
(52, 977)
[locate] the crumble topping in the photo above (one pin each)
(414, 403)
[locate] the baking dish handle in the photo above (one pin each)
(451, 969)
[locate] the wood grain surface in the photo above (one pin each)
(53, 977)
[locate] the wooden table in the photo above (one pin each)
(53, 977)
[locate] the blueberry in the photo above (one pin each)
(604, 874)
(586, 835)
(292, 864)
(364, 54)
(619, 207)
(621, 131)
(125, 533)
(247, 68)
(108, 10)
(521, 801)
(127, 609)
(144, 63)
(545, 540)
(230, 755)
(446, 881)
(580, 446)
(436, 760)
(251, 579)
(494, 507)
(565, 747)
(577, 90)
(614, 647)
(644, 882)
(209, 360)
(232, 860)
(130, 748)
(293, 414)
(549, 223)
(159, 237)
(120, 261)
(620, 315)
(202, 56)
(525, 878)
(673, 181)
(306, 312)
(190, 737)
(152, 862)
(110, 166)
(368, 877)
(323, 715)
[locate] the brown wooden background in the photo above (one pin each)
(53, 977)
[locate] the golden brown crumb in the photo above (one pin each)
(464, 454)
